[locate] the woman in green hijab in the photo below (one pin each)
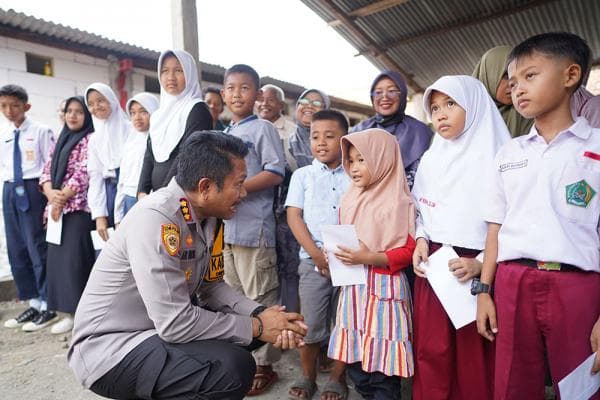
(491, 71)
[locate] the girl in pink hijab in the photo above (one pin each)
(373, 329)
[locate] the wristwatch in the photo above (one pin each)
(258, 310)
(478, 287)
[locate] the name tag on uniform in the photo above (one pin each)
(513, 165)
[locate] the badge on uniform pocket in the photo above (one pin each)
(29, 155)
(579, 193)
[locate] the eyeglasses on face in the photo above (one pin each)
(315, 103)
(390, 94)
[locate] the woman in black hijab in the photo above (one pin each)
(65, 183)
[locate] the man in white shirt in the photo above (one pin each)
(24, 149)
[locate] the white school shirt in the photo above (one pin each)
(547, 197)
(35, 141)
(98, 173)
(130, 170)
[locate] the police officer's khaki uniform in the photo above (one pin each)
(142, 283)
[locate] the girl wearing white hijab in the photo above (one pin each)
(455, 364)
(139, 108)
(111, 128)
(181, 112)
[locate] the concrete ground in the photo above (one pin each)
(33, 366)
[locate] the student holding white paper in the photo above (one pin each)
(65, 183)
(450, 363)
(312, 201)
(373, 331)
(543, 212)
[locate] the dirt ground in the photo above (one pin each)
(33, 366)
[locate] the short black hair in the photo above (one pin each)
(243, 69)
(208, 154)
(332, 115)
(14, 91)
(212, 89)
(556, 44)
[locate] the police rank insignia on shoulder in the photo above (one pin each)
(185, 209)
(170, 238)
(579, 193)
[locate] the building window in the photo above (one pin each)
(39, 64)
(151, 84)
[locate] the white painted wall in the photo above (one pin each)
(73, 72)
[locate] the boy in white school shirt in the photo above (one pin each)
(543, 212)
(24, 148)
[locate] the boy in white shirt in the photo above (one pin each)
(24, 149)
(543, 213)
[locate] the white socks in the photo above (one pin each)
(35, 303)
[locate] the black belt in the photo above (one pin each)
(547, 266)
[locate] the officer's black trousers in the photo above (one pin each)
(155, 369)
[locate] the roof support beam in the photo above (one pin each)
(373, 8)
(474, 20)
(375, 50)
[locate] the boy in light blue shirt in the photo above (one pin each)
(313, 200)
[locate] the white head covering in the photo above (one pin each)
(109, 134)
(452, 173)
(147, 100)
(167, 124)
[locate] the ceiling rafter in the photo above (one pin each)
(369, 44)
(470, 22)
(372, 8)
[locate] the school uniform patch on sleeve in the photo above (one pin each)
(170, 238)
(579, 193)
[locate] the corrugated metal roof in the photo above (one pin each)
(22, 26)
(430, 38)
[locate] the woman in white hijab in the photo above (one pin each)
(448, 192)
(111, 128)
(139, 108)
(180, 113)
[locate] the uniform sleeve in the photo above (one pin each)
(401, 257)
(145, 183)
(199, 119)
(295, 194)
(46, 143)
(420, 231)
(494, 208)
(97, 190)
(164, 291)
(269, 148)
(80, 179)
(45, 177)
(219, 296)
(119, 203)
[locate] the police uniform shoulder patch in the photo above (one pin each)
(579, 193)
(170, 237)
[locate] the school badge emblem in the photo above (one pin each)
(170, 238)
(579, 193)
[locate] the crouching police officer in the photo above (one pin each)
(138, 331)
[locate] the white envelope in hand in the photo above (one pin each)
(341, 274)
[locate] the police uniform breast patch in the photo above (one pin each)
(579, 193)
(170, 238)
